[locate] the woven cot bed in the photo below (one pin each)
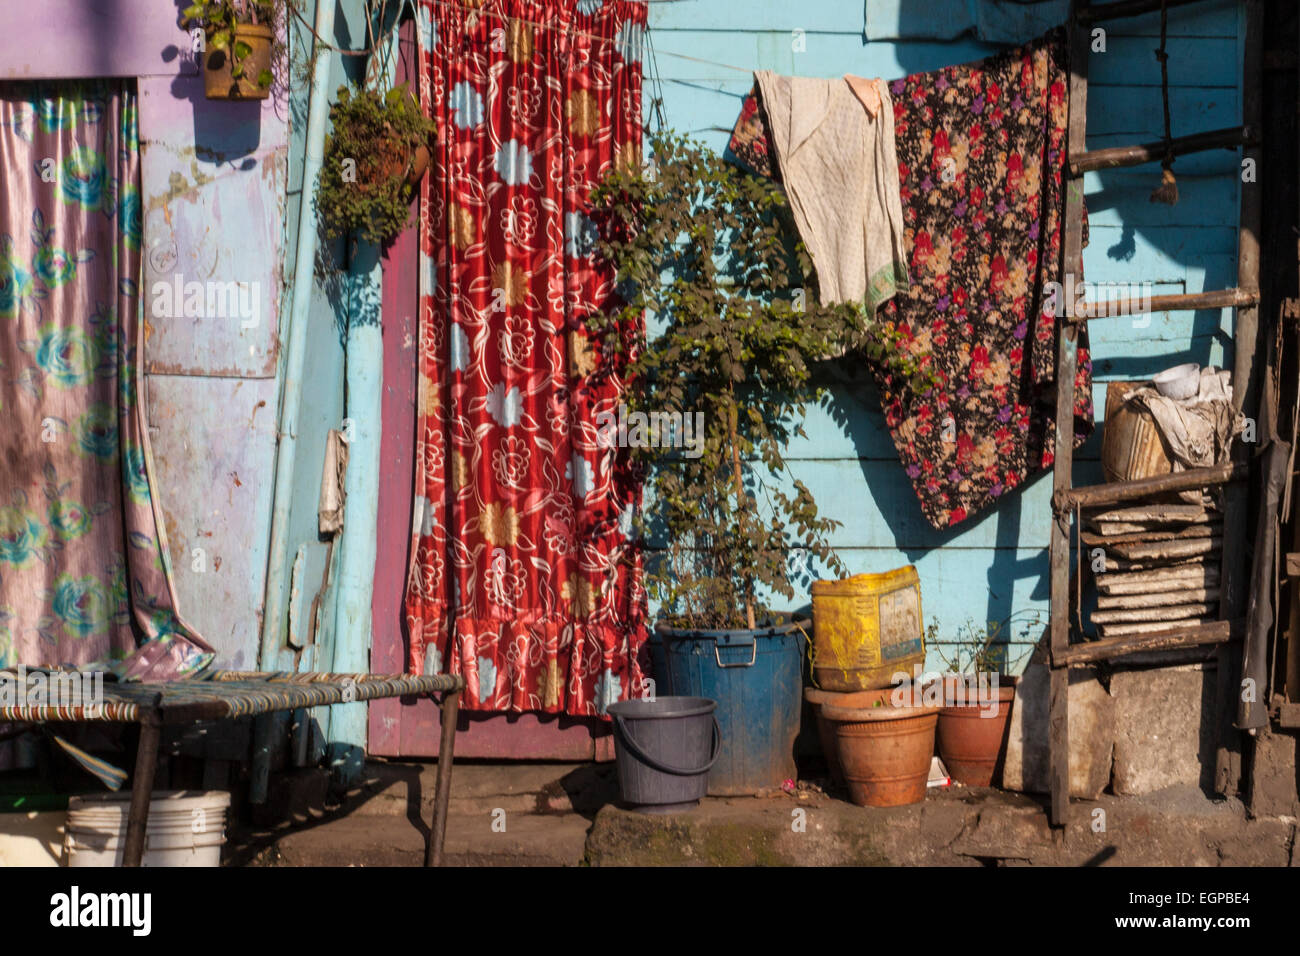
(230, 695)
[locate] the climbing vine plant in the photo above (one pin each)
(708, 254)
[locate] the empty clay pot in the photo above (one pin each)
(972, 734)
(825, 730)
(884, 751)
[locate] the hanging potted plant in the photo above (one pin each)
(239, 46)
(708, 250)
(376, 154)
(978, 693)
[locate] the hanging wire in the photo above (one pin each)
(696, 59)
(656, 82)
(504, 18)
(330, 47)
(1167, 191)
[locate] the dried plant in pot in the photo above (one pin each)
(374, 157)
(978, 694)
(708, 253)
(239, 47)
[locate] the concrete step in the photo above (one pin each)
(393, 789)
(957, 827)
(383, 840)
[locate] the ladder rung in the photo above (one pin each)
(1109, 648)
(1125, 8)
(1115, 156)
(1092, 496)
(1217, 299)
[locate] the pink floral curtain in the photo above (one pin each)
(523, 576)
(84, 568)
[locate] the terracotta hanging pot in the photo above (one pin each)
(219, 84)
(972, 732)
(397, 159)
(884, 751)
(419, 163)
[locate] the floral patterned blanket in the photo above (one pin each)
(981, 158)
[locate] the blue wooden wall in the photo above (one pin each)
(993, 567)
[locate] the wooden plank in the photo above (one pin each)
(1116, 156)
(1213, 632)
(1092, 496)
(1154, 514)
(1171, 550)
(1176, 612)
(1136, 582)
(1062, 473)
(1227, 762)
(1245, 378)
(1156, 599)
(1135, 628)
(1117, 536)
(1218, 299)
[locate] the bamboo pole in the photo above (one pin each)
(1114, 157)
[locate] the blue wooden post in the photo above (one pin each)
(356, 569)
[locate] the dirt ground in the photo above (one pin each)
(567, 815)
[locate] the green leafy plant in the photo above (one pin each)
(370, 154)
(707, 252)
(219, 18)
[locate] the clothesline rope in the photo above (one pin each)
(504, 18)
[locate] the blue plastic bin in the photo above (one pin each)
(757, 679)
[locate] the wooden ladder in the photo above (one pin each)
(1067, 500)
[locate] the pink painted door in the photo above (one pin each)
(400, 728)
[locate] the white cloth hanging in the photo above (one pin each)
(840, 171)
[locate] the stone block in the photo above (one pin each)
(1165, 731)
(1092, 723)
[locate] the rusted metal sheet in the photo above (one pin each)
(213, 182)
(213, 441)
(213, 190)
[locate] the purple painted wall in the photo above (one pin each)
(214, 185)
(50, 39)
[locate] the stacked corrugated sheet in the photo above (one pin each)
(1159, 567)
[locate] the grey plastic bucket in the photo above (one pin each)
(664, 748)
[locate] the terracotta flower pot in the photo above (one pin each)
(884, 751)
(972, 733)
(826, 729)
(419, 163)
(218, 84)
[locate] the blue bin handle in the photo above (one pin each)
(753, 656)
(646, 759)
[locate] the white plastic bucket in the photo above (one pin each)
(186, 828)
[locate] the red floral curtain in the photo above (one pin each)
(523, 576)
